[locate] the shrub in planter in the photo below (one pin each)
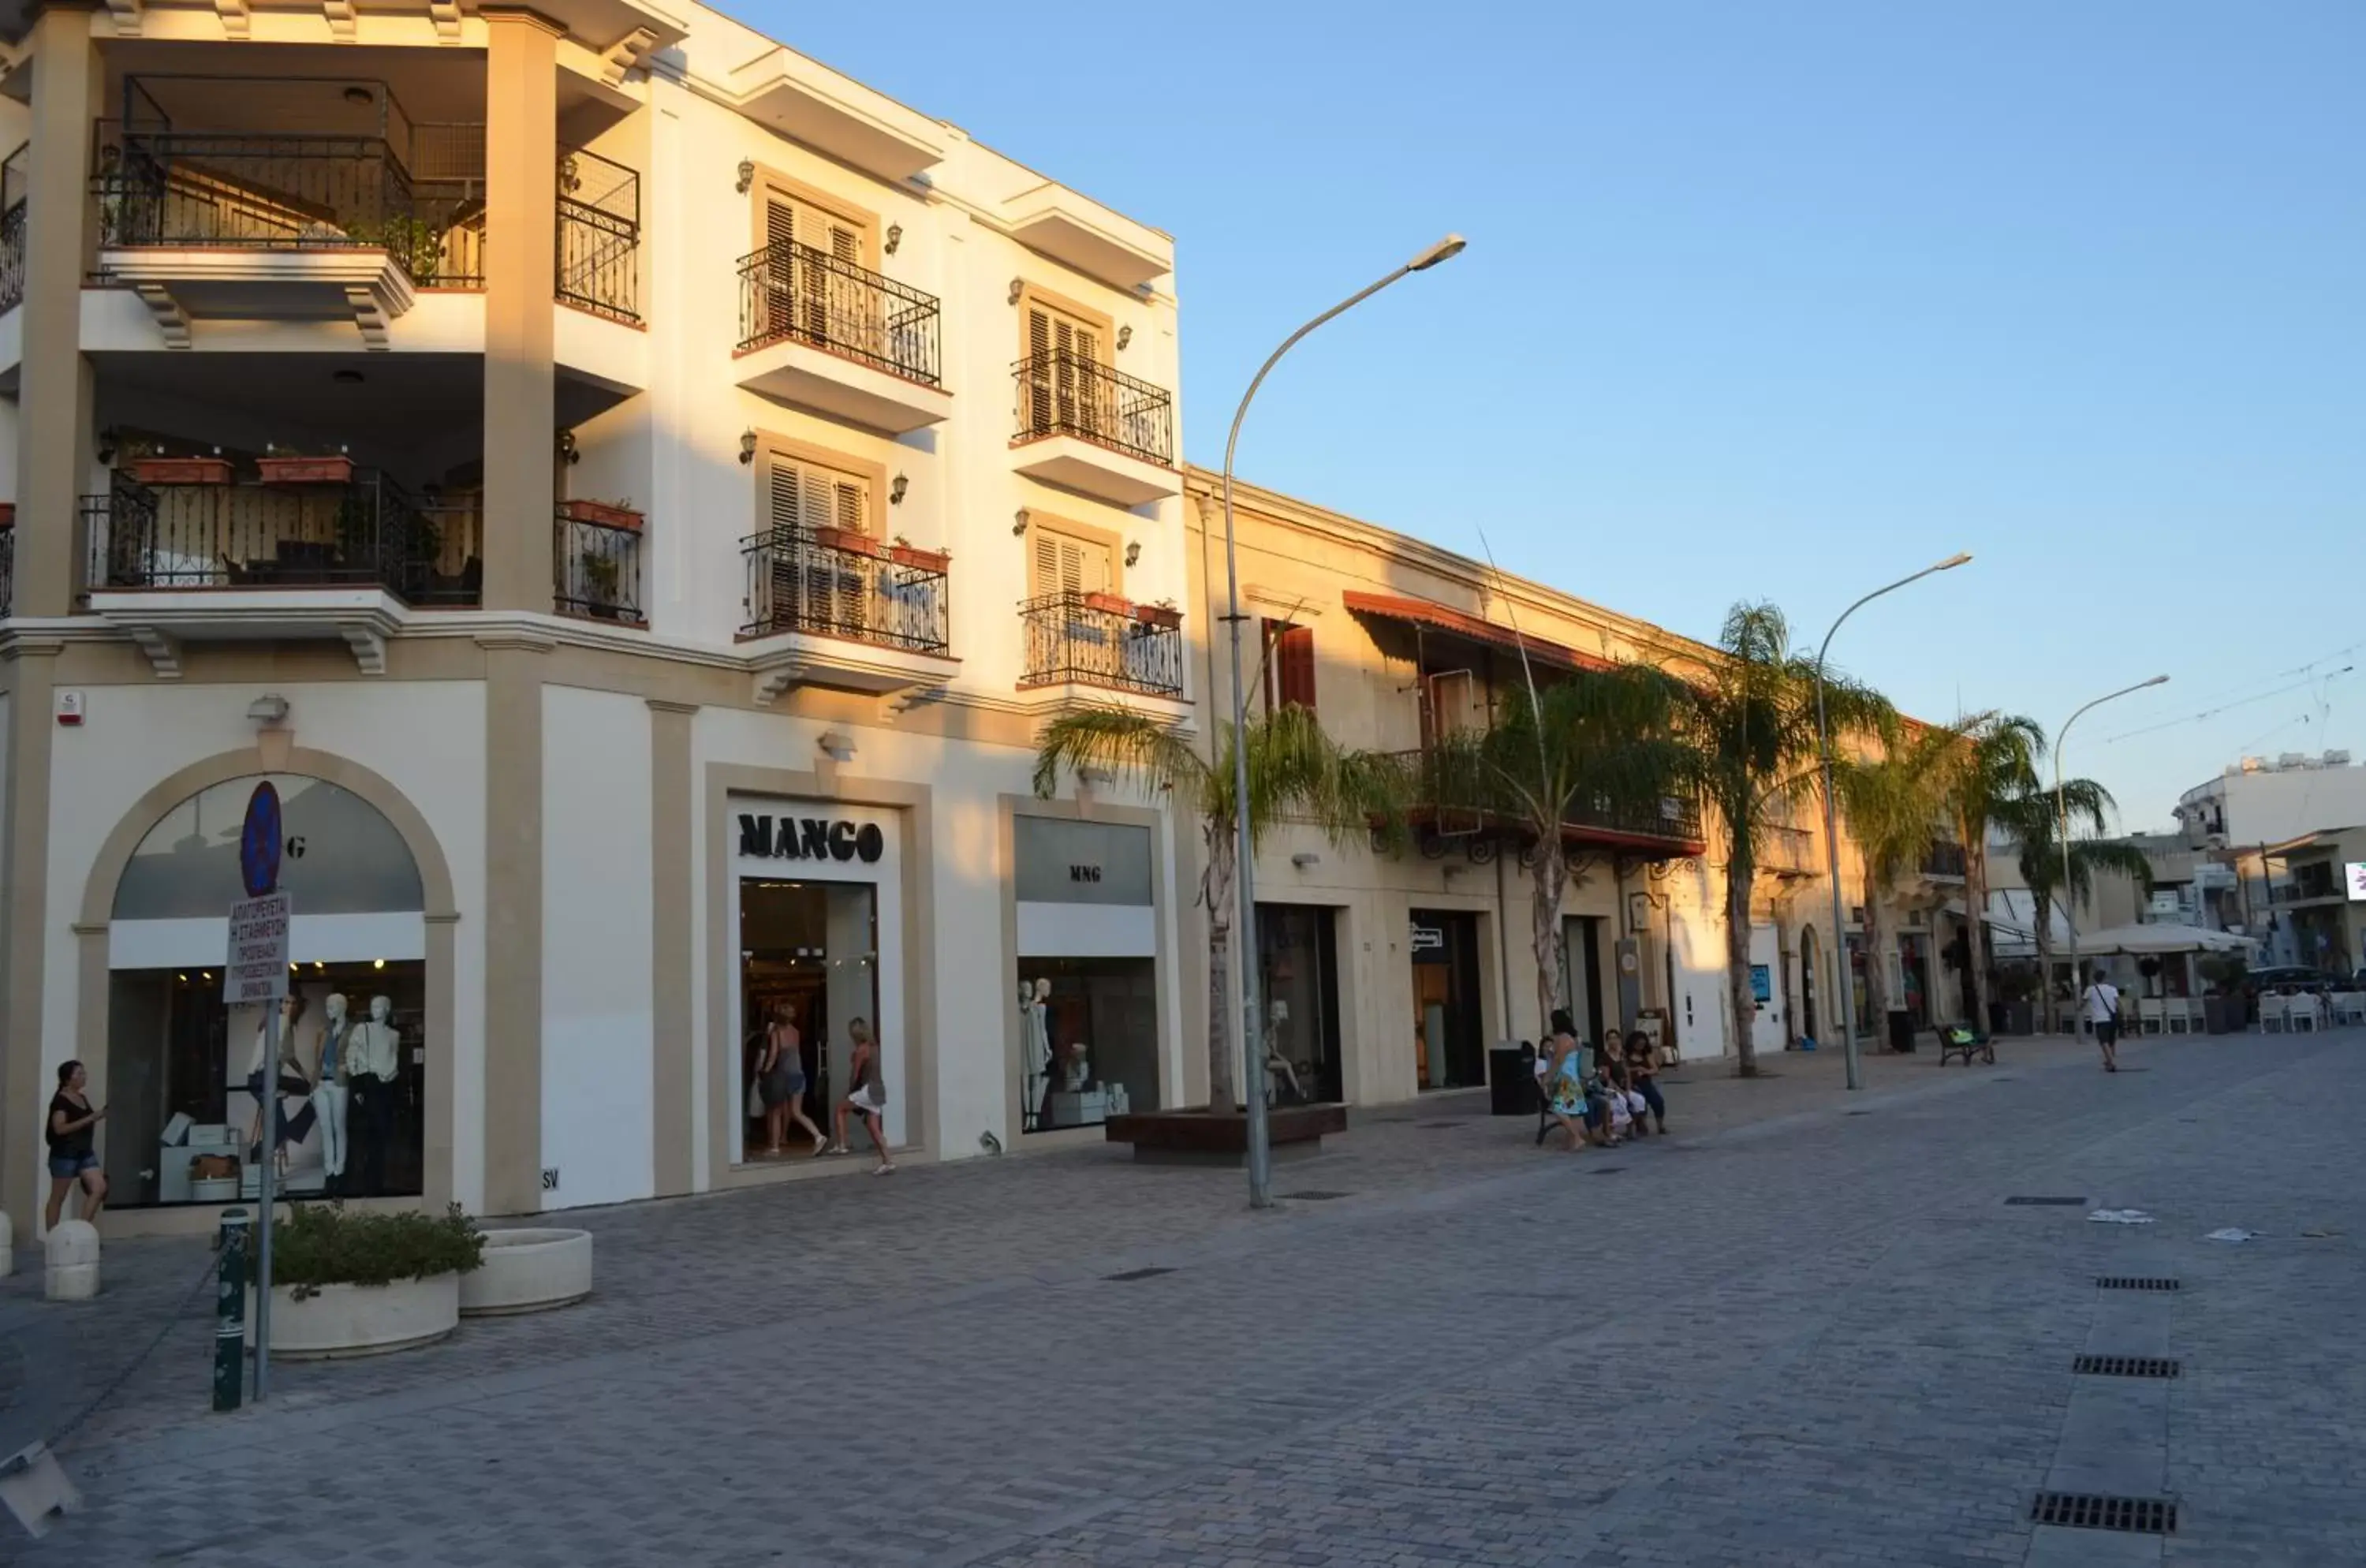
(332, 1244)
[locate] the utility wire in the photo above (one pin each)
(2228, 706)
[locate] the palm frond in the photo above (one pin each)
(1130, 747)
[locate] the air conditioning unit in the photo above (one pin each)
(2337, 759)
(2293, 760)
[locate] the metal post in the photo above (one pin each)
(1252, 1068)
(230, 1312)
(2062, 827)
(1832, 833)
(263, 1202)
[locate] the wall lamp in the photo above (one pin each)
(268, 709)
(1019, 525)
(896, 491)
(1132, 551)
(1306, 859)
(746, 176)
(566, 447)
(747, 448)
(1018, 287)
(895, 237)
(836, 746)
(1124, 336)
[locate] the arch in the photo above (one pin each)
(107, 868)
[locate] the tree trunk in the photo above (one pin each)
(1551, 875)
(1222, 1097)
(1876, 972)
(1975, 927)
(1740, 872)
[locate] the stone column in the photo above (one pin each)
(521, 262)
(513, 927)
(24, 896)
(54, 399)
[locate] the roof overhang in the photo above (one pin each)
(1089, 237)
(1433, 616)
(808, 102)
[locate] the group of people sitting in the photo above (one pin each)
(1600, 1097)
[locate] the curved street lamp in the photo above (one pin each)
(2062, 831)
(1843, 986)
(1253, 1068)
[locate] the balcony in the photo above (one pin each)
(8, 570)
(843, 610)
(1087, 427)
(1099, 640)
(309, 549)
(820, 333)
(1944, 860)
(12, 229)
(1788, 853)
(599, 236)
(595, 558)
(1442, 814)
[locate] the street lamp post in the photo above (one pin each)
(2062, 831)
(1842, 986)
(1260, 1149)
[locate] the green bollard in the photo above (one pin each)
(229, 1312)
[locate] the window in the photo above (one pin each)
(811, 496)
(1069, 563)
(1289, 665)
(811, 579)
(816, 284)
(1064, 348)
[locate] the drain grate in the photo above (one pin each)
(1138, 1274)
(2085, 1511)
(2128, 1366)
(2133, 1283)
(1312, 1197)
(2043, 1203)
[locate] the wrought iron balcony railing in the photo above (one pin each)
(287, 192)
(596, 570)
(1945, 859)
(795, 293)
(8, 571)
(1453, 799)
(363, 532)
(11, 228)
(599, 235)
(1064, 393)
(802, 581)
(1096, 640)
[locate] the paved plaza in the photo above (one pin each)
(1807, 1330)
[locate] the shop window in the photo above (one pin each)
(1091, 1032)
(188, 1076)
(1297, 976)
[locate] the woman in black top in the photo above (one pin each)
(70, 1123)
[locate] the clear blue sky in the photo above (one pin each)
(1776, 302)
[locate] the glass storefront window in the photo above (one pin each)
(810, 948)
(1298, 970)
(1090, 1032)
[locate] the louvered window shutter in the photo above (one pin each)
(1294, 662)
(780, 269)
(1039, 371)
(1046, 567)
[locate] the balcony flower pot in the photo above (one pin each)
(920, 559)
(1109, 604)
(600, 513)
(528, 1270)
(848, 540)
(181, 470)
(1163, 618)
(332, 470)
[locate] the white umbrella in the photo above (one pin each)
(2143, 939)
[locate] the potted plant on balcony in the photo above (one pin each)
(156, 469)
(903, 552)
(1108, 604)
(853, 541)
(1164, 615)
(603, 514)
(287, 466)
(600, 580)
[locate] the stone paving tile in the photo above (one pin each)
(1785, 1335)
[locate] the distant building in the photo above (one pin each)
(2266, 801)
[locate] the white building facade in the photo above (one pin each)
(635, 494)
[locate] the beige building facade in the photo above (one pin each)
(635, 493)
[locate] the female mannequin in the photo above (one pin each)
(330, 1093)
(372, 1063)
(1039, 1048)
(286, 1076)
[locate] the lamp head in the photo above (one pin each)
(2157, 681)
(1953, 561)
(1445, 250)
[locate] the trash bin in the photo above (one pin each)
(1901, 1030)
(1510, 1079)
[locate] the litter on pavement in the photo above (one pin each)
(2121, 1217)
(2232, 1232)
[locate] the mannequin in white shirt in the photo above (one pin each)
(330, 1091)
(372, 1064)
(1031, 1001)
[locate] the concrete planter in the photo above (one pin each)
(334, 1320)
(528, 1270)
(1200, 1137)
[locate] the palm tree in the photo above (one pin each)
(1752, 728)
(1996, 766)
(1892, 801)
(2036, 832)
(1597, 744)
(1295, 769)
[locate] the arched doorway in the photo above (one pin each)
(356, 1077)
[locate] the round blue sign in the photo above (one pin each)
(258, 842)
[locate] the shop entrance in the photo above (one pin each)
(811, 947)
(1298, 970)
(1581, 959)
(1448, 1053)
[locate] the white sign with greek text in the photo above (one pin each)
(257, 968)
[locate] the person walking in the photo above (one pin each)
(1561, 1078)
(867, 1098)
(72, 1124)
(782, 1069)
(2100, 1005)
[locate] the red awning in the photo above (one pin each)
(1439, 617)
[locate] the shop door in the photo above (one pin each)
(1766, 987)
(1447, 1049)
(1580, 958)
(1299, 973)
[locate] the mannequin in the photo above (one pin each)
(330, 1093)
(372, 1063)
(288, 1076)
(1031, 999)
